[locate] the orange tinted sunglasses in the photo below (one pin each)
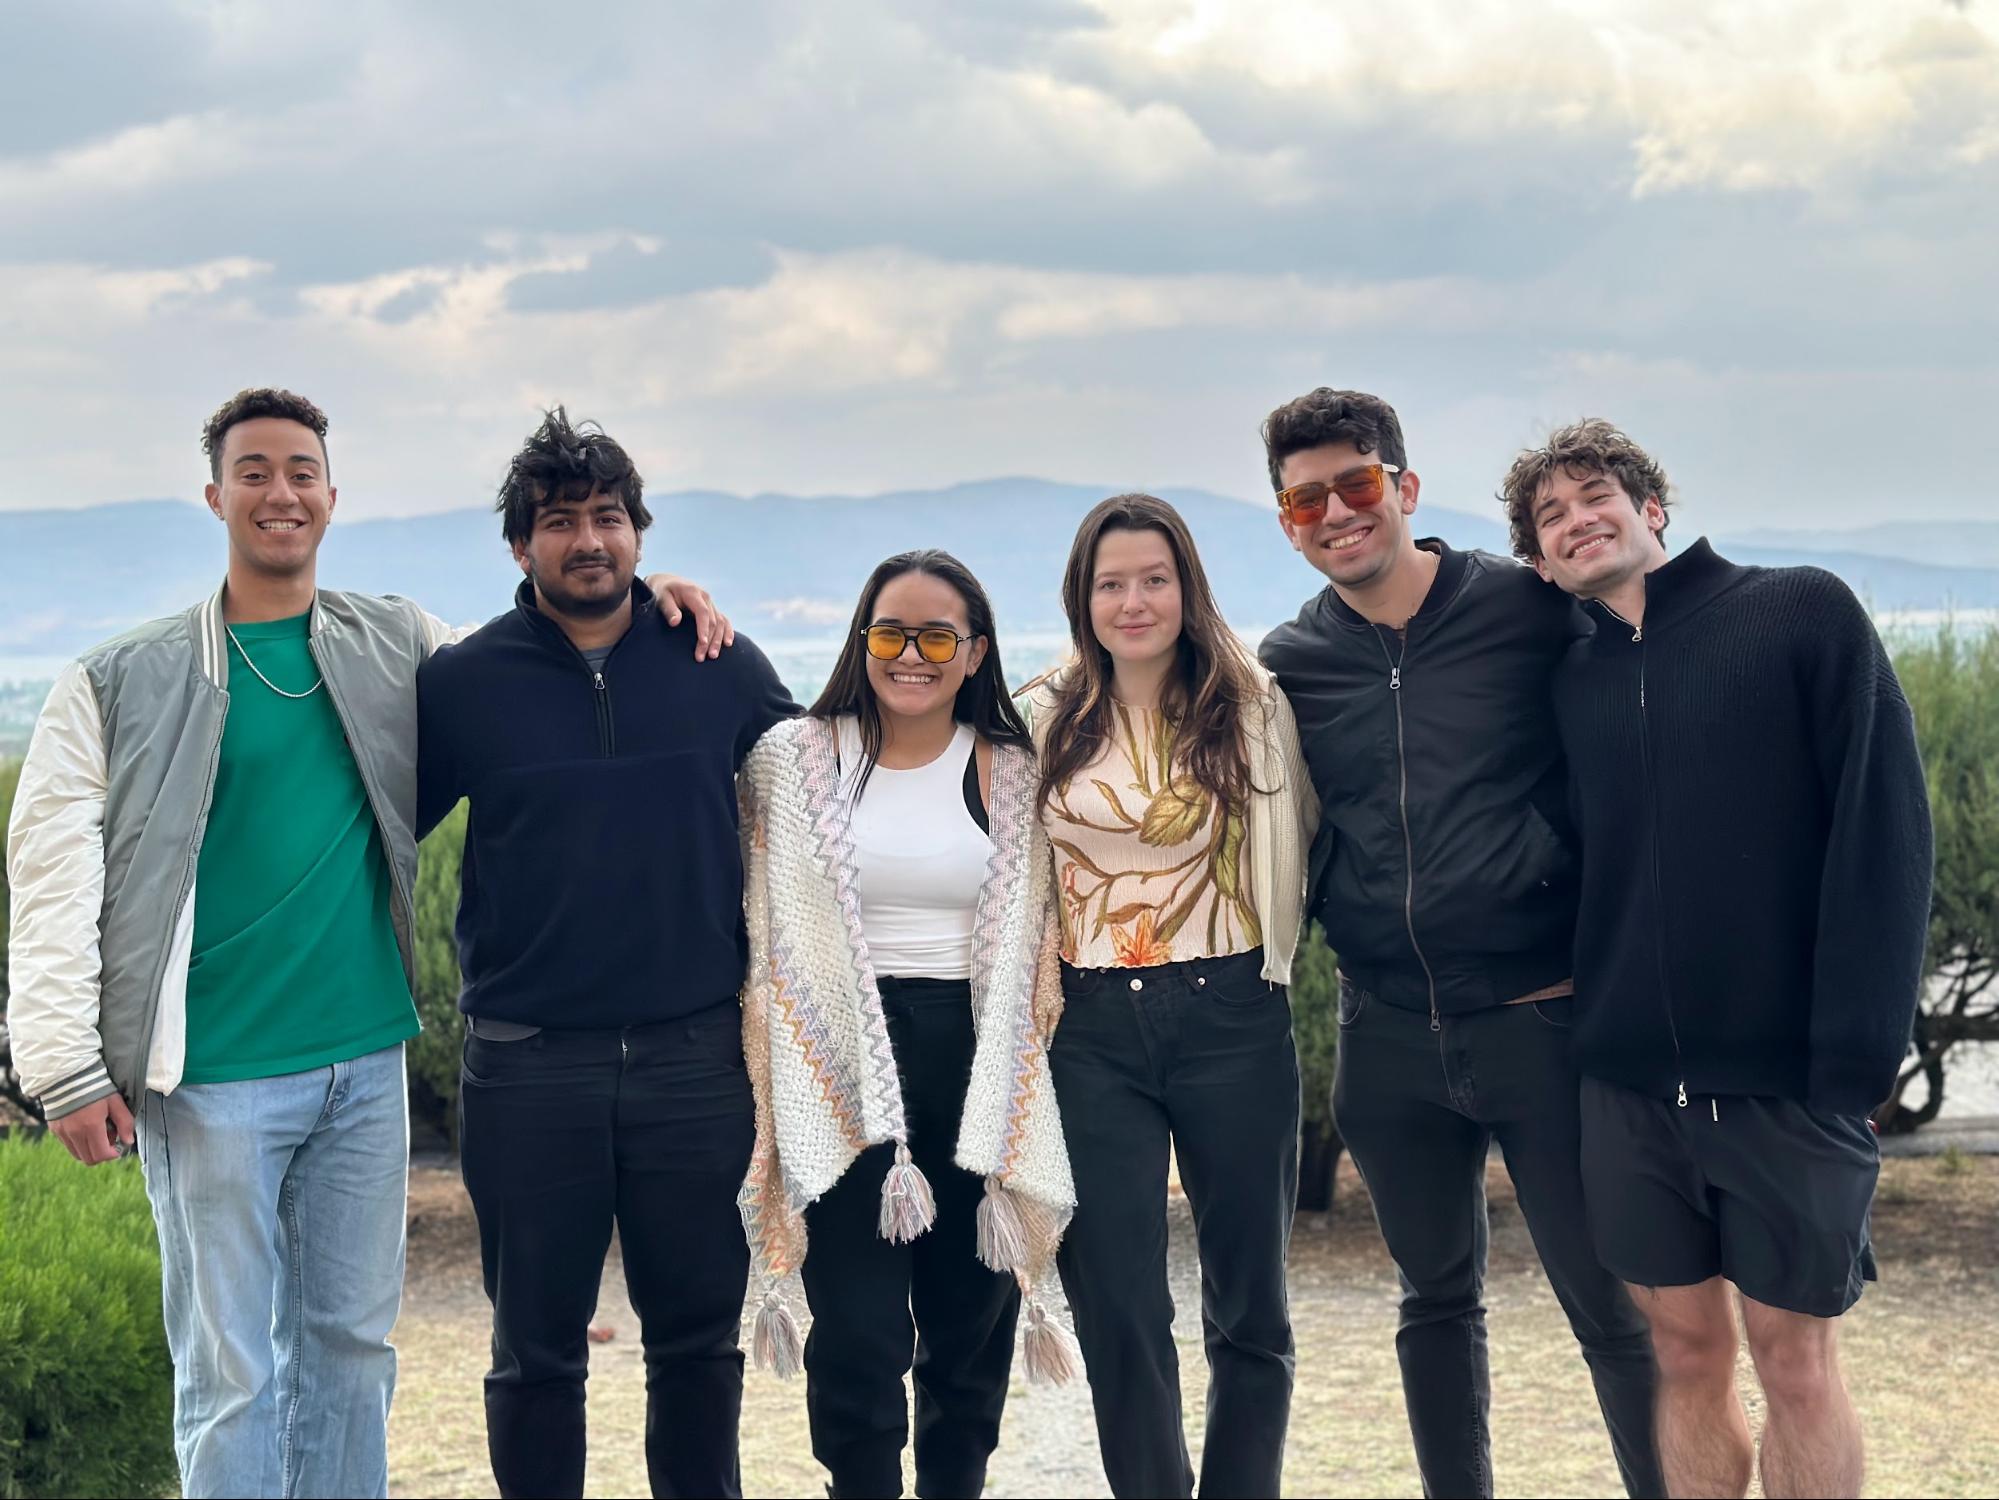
(1358, 489)
(933, 643)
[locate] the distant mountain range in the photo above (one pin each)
(788, 567)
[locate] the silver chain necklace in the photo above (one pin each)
(265, 680)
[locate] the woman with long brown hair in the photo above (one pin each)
(1177, 804)
(901, 990)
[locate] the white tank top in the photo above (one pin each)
(921, 861)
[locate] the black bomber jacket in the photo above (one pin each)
(1445, 867)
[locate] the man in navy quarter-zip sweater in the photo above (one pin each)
(1756, 894)
(601, 937)
(1444, 874)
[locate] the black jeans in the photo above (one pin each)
(562, 1134)
(1419, 1109)
(1201, 1053)
(876, 1304)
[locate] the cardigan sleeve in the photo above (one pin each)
(1874, 899)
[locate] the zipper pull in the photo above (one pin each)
(1394, 679)
(598, 678)
(1638, 635)
(1715, 1105)
(1683, 1095)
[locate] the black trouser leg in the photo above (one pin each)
(1530, 1091)
(685, 1127)
(857, 1285)
(1113, 1258)
(965, 1317)
(879, 1310)
(1424, 1165)
(536, 1149)
(1233, 1097)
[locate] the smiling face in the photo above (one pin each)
(272, 494)
(582, 555)
(1353, 548)
(1135, 596)
(910, 687)
(1593, 536)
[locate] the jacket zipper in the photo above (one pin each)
(607, 729)
(607, 740)
(1402, 803)
(1658, 885)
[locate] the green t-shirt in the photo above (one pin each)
(295, 963)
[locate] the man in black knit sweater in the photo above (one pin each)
(1755, 896)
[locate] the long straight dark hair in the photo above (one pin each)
(1207, 696)
(982, 702)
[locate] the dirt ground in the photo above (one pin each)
(1919, 1354)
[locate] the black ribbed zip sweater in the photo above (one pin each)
(1756, 840)
(601, 883)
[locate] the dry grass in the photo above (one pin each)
(1918, 1353)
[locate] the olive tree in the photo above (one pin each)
(1952, 681)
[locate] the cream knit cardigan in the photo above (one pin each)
(1283, 814)
(814, 1036)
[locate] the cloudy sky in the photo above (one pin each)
(849, 247)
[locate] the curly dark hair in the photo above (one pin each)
(246, 406)
(564, 463)
(1591, 446)
(1328, 416)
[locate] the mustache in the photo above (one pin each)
(588, 560)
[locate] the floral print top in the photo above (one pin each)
(1149, 874)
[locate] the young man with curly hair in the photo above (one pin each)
(212, 853)
(1444, 875)
(602, 941)
(1755, 898)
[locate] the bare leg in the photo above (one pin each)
(1704, 1443)
(1811, 1441)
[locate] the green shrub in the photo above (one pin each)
(1315, 1026)
(433, 1057)
(86, 1387)
(1951, 676)
(1315, 1023)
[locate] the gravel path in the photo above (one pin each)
(1918, 1352)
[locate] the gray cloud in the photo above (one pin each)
(909, 242)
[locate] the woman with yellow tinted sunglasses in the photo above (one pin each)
(902, 990)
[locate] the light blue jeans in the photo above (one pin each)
(281, 1208)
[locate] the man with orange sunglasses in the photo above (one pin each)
(1444, 876)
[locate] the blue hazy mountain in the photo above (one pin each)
(788, 567)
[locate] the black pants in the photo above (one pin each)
(1419, 1109)
(562, 1134)
(876, 1304)
(1200, 1053)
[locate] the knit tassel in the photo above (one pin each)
(908, 1208)
(1002, 1235)
(1048, 1351)
(775, 1344)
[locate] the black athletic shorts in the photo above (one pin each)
(1765, 1192)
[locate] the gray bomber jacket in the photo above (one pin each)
(108, 819)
